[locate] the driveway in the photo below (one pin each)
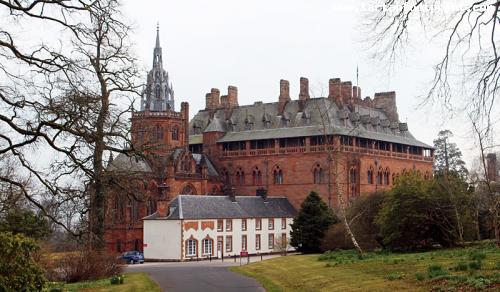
(197, 276)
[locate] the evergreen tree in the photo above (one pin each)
(448, 156)
(309, 226)
(26, 222)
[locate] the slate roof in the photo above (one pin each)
(122, 162)
(197, 158)
(262, 121)
(221, 207)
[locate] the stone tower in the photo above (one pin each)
(159, 93)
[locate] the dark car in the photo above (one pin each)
(133, 257)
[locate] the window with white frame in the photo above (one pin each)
(207, 245)
(270, 223)
(229, 224)
(244, 242)
(257, 241)
(258, 224)
(244, 224)
(270, 241)
(229, 243)
(191, 248)
(220, 225)
(283, 223)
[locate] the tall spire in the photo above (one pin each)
(157, 35)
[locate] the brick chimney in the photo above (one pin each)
(212, 99)
(334, 91)
(185, 117)
(284, 95)
(232, 96)
(304, 88)
(491, 165)
(386, 101)
(346, 90)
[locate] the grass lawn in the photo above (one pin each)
(133, 282)
(461, 269)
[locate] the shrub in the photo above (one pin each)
(435, 270)
(475, 265)
(83, 265)
(461, 266)
(18, 269)
(477, 255)
(419, 276)
(394, 276)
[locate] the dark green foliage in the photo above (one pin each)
(436, 270)
(420, 213)
(461, 266)
(18, 269)
(419, 276)
(477, 255)
(24, 221)
(308, 228)
(475, 265)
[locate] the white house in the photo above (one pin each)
(204, 226)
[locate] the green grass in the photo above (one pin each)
(443, 270)
(133, 282)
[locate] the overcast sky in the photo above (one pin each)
(254, 44)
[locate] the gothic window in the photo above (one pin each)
(379, 176)
(387, 174)
(257, 176)
(134, 210)
(240, 177)
(159, 133)
(370, 175)
(318, 174)
(151, 206)
(119, 209)
(225, 176)
(175, 133)
(353, 178)
(188, 190)
(278, 176)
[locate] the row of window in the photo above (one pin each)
(258, 224)
(207, 244)
(158, 133)
(382, 177)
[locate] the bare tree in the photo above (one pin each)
(339, 162)
(67, 100)
(468, 29)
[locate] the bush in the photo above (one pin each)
(419, 276)
(461, 266)
(477, 256)
(18, 269)
(83, 265)
(435, 270)
(475, 265)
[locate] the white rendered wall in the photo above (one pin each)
(236, 234)
(162, 239)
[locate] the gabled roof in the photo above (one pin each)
(319, 115)
(222, 207)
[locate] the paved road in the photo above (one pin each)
(197, 276)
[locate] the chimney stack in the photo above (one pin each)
(230, 191)
(232, 96)
(284, 95)
(346, 90)
(386, 101)
(304, 88)
(334, 88)
(491, 164)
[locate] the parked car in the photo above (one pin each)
(133, 257)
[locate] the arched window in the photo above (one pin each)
(191, 249)
(134, 210)
(151, 206)
(379, 176)
(353, 179)
(225, 176)
(207, 246)
(278, 176)
(370, 175)
(318, 174)
(175, 133)
(188, 190)
(387, 174)
(158, 91)
(119, 209)
(240, 177)
(257, 177)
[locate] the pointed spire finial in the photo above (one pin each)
(157, 35)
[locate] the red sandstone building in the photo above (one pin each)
(340, 142)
